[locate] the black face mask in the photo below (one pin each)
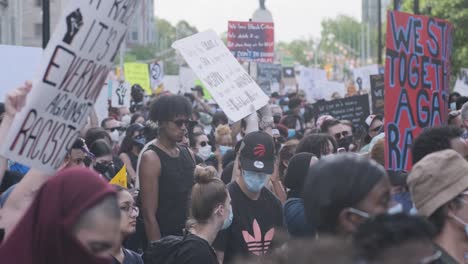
(108, 171)
(345, 142)
(276, 119)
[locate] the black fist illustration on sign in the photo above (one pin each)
(121, 91)
(74, 23)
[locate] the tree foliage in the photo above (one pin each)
(344, 30)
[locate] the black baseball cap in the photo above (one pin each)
(134, 128)
(257, 152)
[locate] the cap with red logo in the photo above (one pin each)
(257, 152)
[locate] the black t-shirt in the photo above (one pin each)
(130, 257)
(255, 224)
(196, 250)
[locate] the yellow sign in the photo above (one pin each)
(120, 178)
(138, 73)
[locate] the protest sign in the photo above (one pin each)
(231, 86)
(120, 179)
(251, 41)
(70, 77)
(269, 77)
(121, 94)
(172, 84)
(461, 86)
(307, 82)
(25, 58)
(289, 72)
(354, 109)
(187, 79)
(417, 78)
(362, 76)
(377, 93)
(206, 93)
(330, 90)
(138, 73)
(101, 106)
(156, 74)
(287, 61)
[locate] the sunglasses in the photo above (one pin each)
(377, 129)
(115, 128)
(181, 122)
(204, 143)
(338, 136)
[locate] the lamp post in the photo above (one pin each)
(45, 22)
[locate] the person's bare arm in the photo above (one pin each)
(150, 170)
(128, 164)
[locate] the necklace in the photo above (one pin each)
(171, 152)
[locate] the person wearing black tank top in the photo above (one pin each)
(166, 170)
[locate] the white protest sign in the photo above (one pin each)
(101, 106)
(327, 89)
(231, 86)
(362, 76)
(187, 79)
(172, 84)
(156, 74)
(25, 61)
(121, 94)
(69, 80)
(307, 82)
(461, 86)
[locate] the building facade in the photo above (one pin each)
(369, 29)
(10, 22)
(142, 32)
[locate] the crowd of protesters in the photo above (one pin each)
(283, 185)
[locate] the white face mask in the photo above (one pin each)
(204, 152)
(115, 135)
(126, 119)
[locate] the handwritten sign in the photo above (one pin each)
(329, 90)
(230, 85)
(307, 82)
(362, 76)
(461, 86)
(252, 41)
(354, 109)
(72, 72)
(156, 71)
(121, 94)
(138, 73)
(417, 78)
(269, 77)
(377, 93)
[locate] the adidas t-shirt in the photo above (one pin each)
(254, 226)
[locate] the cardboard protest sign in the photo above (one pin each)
(329, 90)
(70, 77)
(121, 94)
(138, 73)
(231, 86)
(461, 86)
(354, 109)
(252, 41)
(156, 71)
(377, 93)
(362, 76)
(307, 82)
(101, 106)
(25, 58)
(417, 78)
(269, 77)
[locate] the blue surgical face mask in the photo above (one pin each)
(224, 149)
(395, 209)
(291, 133)
(453, 106)
(255, 180)
(404, 198)
(228, 221)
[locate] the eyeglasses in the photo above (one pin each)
(204, 143)
(359, 212)
(338, 136)
(181, 122)
(130, 209)
(377, 129)
(431, 259)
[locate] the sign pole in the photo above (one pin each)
(45, 22)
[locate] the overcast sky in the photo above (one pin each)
(293, 18)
